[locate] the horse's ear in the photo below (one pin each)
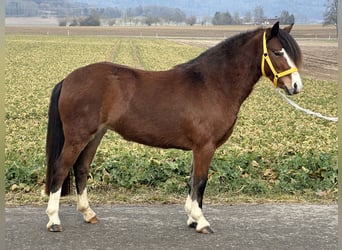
(274, 30)
(289, 28)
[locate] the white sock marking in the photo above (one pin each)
(188, 205)
(83, 206)
(52, 208)
(195, 214)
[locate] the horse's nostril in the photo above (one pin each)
(295, 86)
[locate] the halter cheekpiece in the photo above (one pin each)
(265, 57)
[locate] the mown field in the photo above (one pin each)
(275, 152)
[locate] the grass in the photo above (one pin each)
(275, 152)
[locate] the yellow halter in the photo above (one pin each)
(266, 58)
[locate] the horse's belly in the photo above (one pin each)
(152, 134)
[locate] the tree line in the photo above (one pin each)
(258, 17)
(151, 15)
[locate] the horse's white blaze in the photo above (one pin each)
(83, 206)
(195, 214)
(52, 208)
(296, 79)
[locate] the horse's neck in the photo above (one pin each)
(242, 71)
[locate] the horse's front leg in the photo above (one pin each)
(197, 184)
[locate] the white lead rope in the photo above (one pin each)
(329, 118)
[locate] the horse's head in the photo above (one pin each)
(281, 59)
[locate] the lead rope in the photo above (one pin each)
(329, 118)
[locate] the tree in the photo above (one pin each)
(330, 14)
(74, 22)
(222, 18)
(112, 22)
(191, 20)
(92, 20)
(286, 18)
(62, 22)
(157, 14)
(248, 17)
(258, 14)
(149, 20)
(236, 18)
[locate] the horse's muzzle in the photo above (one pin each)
(292, 91)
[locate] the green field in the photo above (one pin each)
(275, 150)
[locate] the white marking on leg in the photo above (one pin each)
(197, 215)
(188, 206)
(83, 206)
(52, 208)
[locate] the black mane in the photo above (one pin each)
(224, 49)
(227, 48)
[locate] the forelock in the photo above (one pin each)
(291, 47)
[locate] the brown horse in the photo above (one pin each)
(192, 106)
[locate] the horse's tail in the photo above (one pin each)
(54, 143)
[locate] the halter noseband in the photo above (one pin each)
(266, 58)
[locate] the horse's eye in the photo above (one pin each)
(278, 53)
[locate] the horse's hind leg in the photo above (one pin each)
(54, 224)
(69, 154)
(81, 170)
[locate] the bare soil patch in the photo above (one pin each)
(319, 59)
(318, 43)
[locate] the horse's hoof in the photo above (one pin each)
(193, 225)
(55, 228)
(206, 230)
(93, 220)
